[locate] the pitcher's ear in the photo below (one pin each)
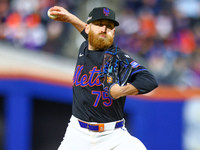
(113, 32)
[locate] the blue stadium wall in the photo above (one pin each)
(156, 122)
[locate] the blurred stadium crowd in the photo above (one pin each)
(164, 35)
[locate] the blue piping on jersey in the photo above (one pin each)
(125, 74)
(137, 71)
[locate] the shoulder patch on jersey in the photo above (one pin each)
(134, 64)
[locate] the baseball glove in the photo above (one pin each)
(114, 71)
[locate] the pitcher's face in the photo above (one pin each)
(100, 34)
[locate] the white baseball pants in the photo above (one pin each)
(78, 138)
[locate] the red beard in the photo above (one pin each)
(99, 43)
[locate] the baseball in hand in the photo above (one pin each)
(51, 16)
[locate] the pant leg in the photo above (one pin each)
(129, 142)
(75, 138)
(79, 138)
(118, 139)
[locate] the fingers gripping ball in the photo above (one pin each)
(51, 16)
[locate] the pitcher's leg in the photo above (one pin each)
(128, 142)
(131, 143)
(118, 139)
(74, 139)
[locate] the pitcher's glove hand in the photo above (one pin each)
(113, 71)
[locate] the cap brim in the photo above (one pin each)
(115, 22)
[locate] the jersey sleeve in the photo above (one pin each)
(144, 82)
(84, 34)
(140, 77)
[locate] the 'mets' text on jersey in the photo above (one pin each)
(90, 102)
